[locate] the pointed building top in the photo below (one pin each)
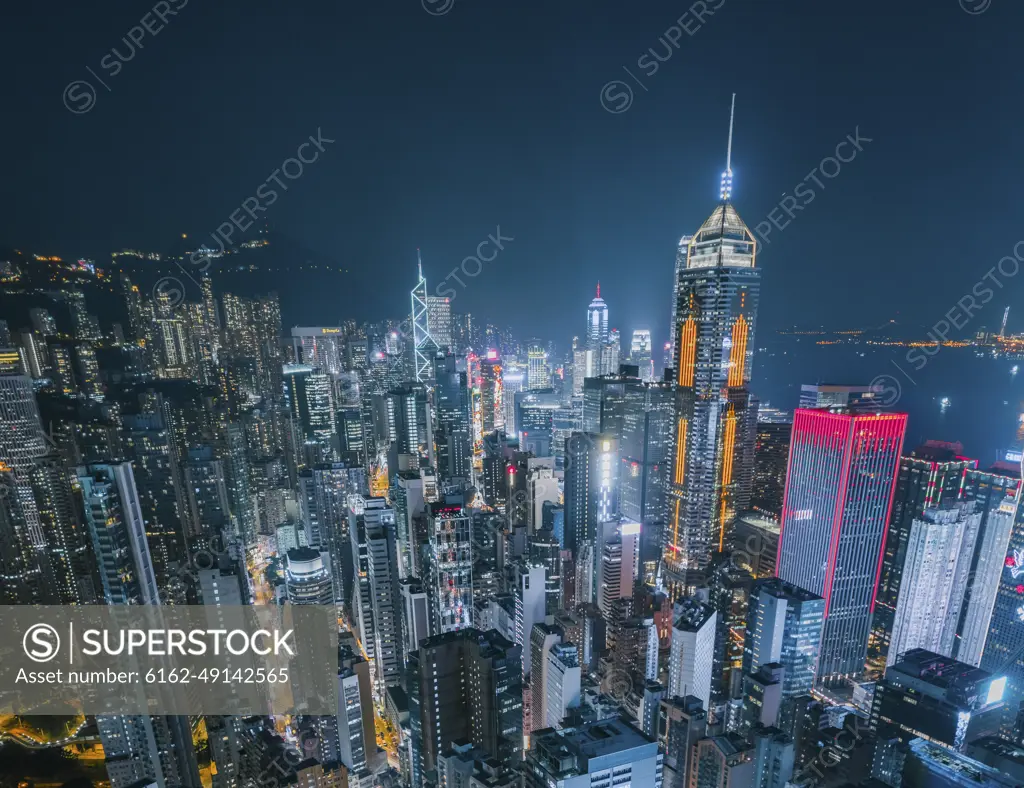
(419, 261)
(726, 188)
(598, 288)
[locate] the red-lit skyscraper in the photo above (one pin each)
(839, 491)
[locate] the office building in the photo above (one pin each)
(936, 562)
(561, 684)
(543, 637)
(385, 601)
(830, 395)
(839, 492)
(118, 532)
(318, 347)
(646, 452)
(774, 758)
(762, 697)
(692, 654)
(308, 577)
(926, 695)
(439, 321)
(465, 685)
(415, 614)
(449, 528)
(350, 736)
(726, 761)
(715, 416)
(538, 374)
(591, 486)
(771, 455)
(784, 626)
(640, 353)
(597, 321)
(682, 723)
(424, 347)
(931, 475)
(492, 396)
(453, 427)
(609, 749)
(986, 574)
(530, 593)
(933, 766)
(409, 428)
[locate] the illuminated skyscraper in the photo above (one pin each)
(771, 450)
(717, 293)
(491, 393)
(937, 557)
(468, 686)
(640, 353)
(597, 321)
(453, 428)
(409, 428)
(439, 321)
(591, 486)
(512, 382)
(311, 404)
(22, 441)
(538, 373)
(115, 521)
(839, 492)
(451, 567)
(319, 347)
(784, 626)
(308, 577)
(423, 345)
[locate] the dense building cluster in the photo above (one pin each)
(551, 568)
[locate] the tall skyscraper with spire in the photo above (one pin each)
(597, 321)
(717, 291)
(423, 345)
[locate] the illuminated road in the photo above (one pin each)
(25, 738)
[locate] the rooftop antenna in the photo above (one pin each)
(419, 261)
(598, 288)
(1006, 315)
(726, 190)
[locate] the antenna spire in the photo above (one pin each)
(598, 288)
(726, 189)
(419, 261)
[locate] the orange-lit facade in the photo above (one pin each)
(716, 291)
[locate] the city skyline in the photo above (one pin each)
(496, 438)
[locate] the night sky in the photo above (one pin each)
(449, 125)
